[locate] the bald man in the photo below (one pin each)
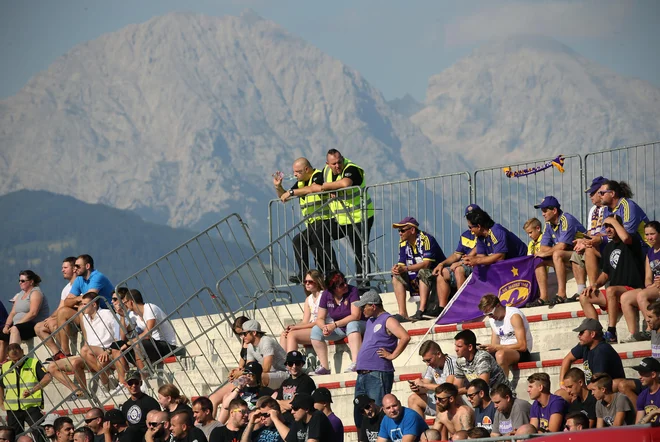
(318, 218)
(400, 423)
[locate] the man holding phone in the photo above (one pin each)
(440, 369)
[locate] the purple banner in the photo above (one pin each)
(512, 280)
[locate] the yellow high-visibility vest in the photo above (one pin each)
(14, 389)
(312, 202)
(350, 211)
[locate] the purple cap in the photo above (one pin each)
(407, 221)
(471, 208)
(548, 201)
(595, 184)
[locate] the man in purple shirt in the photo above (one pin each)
(561, 229)
(548, 410)
(494, 242)
(322, 400)
(384, 340)
(649, 398)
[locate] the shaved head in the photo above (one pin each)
(302, 162)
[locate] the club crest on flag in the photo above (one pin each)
(515, 293)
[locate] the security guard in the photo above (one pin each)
(21, 388)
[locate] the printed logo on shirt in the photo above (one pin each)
(543, 423)
(288, 392)
(609, 421)
(506, 427)
(396, 435)
(134, 414)
(372, 436)
(614, 258)
(648, 409)
(486, 422)
(378, 327)
(587, 371)
(302, 434)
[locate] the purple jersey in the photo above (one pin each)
(555, 405)
(567, 229)
(654, 261)
(647, 402)
(500, 240)
(338, 311)
(466, 243)
(634, 218)
(425, 248)
(376, 337)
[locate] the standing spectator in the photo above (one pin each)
(309, 423)
(63, 429)
(94, 419)
(183, 429)
(203, 412)
(472, 363)
(561, 230)
(266, 430)
(322, 400)
(548, 410)
(338, 318)
(299, 334)
(613, 409)
(578, 395)
(484, 408)
(236, 423)
(297, 382)
(21, 388)
(576, 421)
(649, 398)
(372, 417)
(419, 253)
(171, 400)
(137, 406)
(339, 174)
(451, 414)
(440, 369)
(267, 352)
(494, 242)
(511, 340)
(317, 216)
(511, 412)
(384, 340)
(400, 423)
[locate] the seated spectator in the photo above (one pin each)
(30, 306)
(576, 421)
(460, 435)
(613, 409)
(472, 363)
(511, 413)
(494, 242)
(297, 382)
(452, 273)
(260, 426)
(267, 352)
(429, 435)
(511, 340)
(203, 411)
(137, 406)
(337, 319)
(248, 388)
(574, 390)
(653, 323)
(534, 229)
(622, 267)
(182, 428)
(372, 417)
(322, 400)
(158, 426)
(526, 429)
(299, 334)
(616, 198)
(478, 433)
(548, 410)
(309, 423)
(451, 414)
(399, 422)
(641, 298)
(171, 400)
(440, 369)
(561, 229)
(237, 328)
(237, 419)
(419, 253)
(484, 408)
(649, 398)
(128, 329)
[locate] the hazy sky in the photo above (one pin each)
(396, 45)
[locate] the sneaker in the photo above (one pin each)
(56, 357)
(119, 389)
(350, 368)
(434, 312)
(401, 318)
(320, 371)
(610, 337)
(418, 316)
(634, 337)
(646, 334)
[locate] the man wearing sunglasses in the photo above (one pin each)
(419, 253)
(298, 382)
(135, 409)
(236, 423)
(309, 423)
(452, 415)
(372, 417)
(94, 419)
(576, 421)
(260, 426)
(158, 426)
(484, 408)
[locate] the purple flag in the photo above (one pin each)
(512, 280)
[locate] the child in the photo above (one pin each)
(534, 229)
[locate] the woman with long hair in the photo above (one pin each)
(299, 334)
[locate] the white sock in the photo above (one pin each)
(581, 288)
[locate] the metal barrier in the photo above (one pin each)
(638, 165)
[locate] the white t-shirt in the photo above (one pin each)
(439, 376)
(505, 330)
(162, 332)
(103, 330)
(313, 307)
(66, 290)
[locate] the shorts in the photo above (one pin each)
(156, 350)
(602, 291)
(130, 354)
(338, 334)
(276, 379)
(25, 329)
(430, 404)
(525, 356)
(452, 278)
(424, 275)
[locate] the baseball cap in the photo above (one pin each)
(370, 297)
(323, 395)
(548, 201)
(407, 221)
(115, 416)
(294, 356)
(254, 368)
(589, 324)
(50, 420)
(595, 184)
(133, 375)
(471, 208)
(302, 400)
(362, 401)
(252, 325)
(648, 365)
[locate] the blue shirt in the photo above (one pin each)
(425, 248)
(409, 423)
(634, 219)
(500, 240)
(466, 243)
(98, 281)
(567, 229)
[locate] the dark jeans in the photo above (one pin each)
(317, 237)
(353, 232)
(18, 418)
(374, 384)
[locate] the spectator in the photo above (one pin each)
(641, 298)
(30, 306)
(128, 329)
(511, 413)
(372, 417)
(26, 438)
(64, 429)
(484, 408)
(653, 322)
(494, 242)
(616, 198)
(440, 369)
(460, 435)
(309, 424)
(452, 272)
(472, 363)
(94, 419)
(45, 328)
(574, 390)
(622, 267)
(267, 352)
(548, 410)
(248, 388)
(576, 421)
(613, 409)
(317, 216)
(183, 429)
(534, 229)
(419, 253)
(526, 429)
(137, 406)
(119, 429)
(7, 434)
(511, 340)
(649, 398)
(322, 400)
(399, 422)
(337, 319)
(299, 334)
(203, 412)
(384, 340)
(339, 174)
(298, 382)
(21, 388)
(82, 434)
(171, 400)
(265, 431)
(561, 229)
(235, 424)
(47, 427)
(478, 433)
(430, 435)
(451, 415)
(158, 426)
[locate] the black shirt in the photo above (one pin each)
(351, 172)
(194, 435)
(251, 394)
(136, 411)
(588, 407)
(224, 434)
(318, 427)
(370, 428)
(291, 386)
(317, 178)
(184, 407)
(131, 434)
(624, 264)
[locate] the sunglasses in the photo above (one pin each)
(491, 313)
(245, 333)
(404, 230)
(295, 408)
(442, 398)
(309, 281)
(471, 395)
(155, 424)
(115, 299)
(133, 382)
(240, 410)
(291, 364)
(259, 415)
(77, 266)
(21, 281)
(341, 284)
(91, 419)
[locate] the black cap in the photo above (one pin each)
(648, 365)
(304, 401)
(294, 356)
(254, 368)
(362, 401)
(115, 416)
(133, 375)
(322, 395)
